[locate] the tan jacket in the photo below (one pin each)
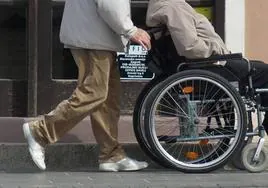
(192, 33)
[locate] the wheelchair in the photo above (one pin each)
(195, 120)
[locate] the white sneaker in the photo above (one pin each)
(36, 150)
(125, 164)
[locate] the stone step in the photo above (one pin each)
(77, 150)
(61, 157)
(11, 131)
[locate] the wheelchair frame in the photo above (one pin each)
(252, 101)
(251, 95)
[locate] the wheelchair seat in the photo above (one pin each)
(164, 59)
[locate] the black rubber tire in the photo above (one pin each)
(237, 157)
(216, 78)
(138, 129)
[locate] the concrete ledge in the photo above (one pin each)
(61, 157)
(11, 131)
(76, 151)
(69, 157)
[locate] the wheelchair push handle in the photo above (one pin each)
(152, 30)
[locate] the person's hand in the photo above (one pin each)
(143, 38)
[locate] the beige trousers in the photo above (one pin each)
(97, 94)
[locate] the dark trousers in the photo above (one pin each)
(259, 79)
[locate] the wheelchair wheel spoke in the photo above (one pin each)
(192, 121)
(177, 104)
(205, 95)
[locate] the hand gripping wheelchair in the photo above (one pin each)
(195, 116)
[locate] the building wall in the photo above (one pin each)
(256, 29)
(13, 43)
(235, 25)
(246, 31)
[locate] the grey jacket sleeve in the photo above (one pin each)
(116, 13)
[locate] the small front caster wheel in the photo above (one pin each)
(237, 158)
(247, 158)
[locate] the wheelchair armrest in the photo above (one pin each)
(214, 58)
(153, 30)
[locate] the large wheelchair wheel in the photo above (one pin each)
(177, 126)
(138, 117)
(237, 160)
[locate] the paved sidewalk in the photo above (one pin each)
(143, 179)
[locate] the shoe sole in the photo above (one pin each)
(108, 170)
(26, 129)
(122, 170)
(114, 169)
(133, 169)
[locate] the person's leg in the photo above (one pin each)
(265, 122)
(260, 76)
(259, 79)
(91, 91)
(105, 120)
